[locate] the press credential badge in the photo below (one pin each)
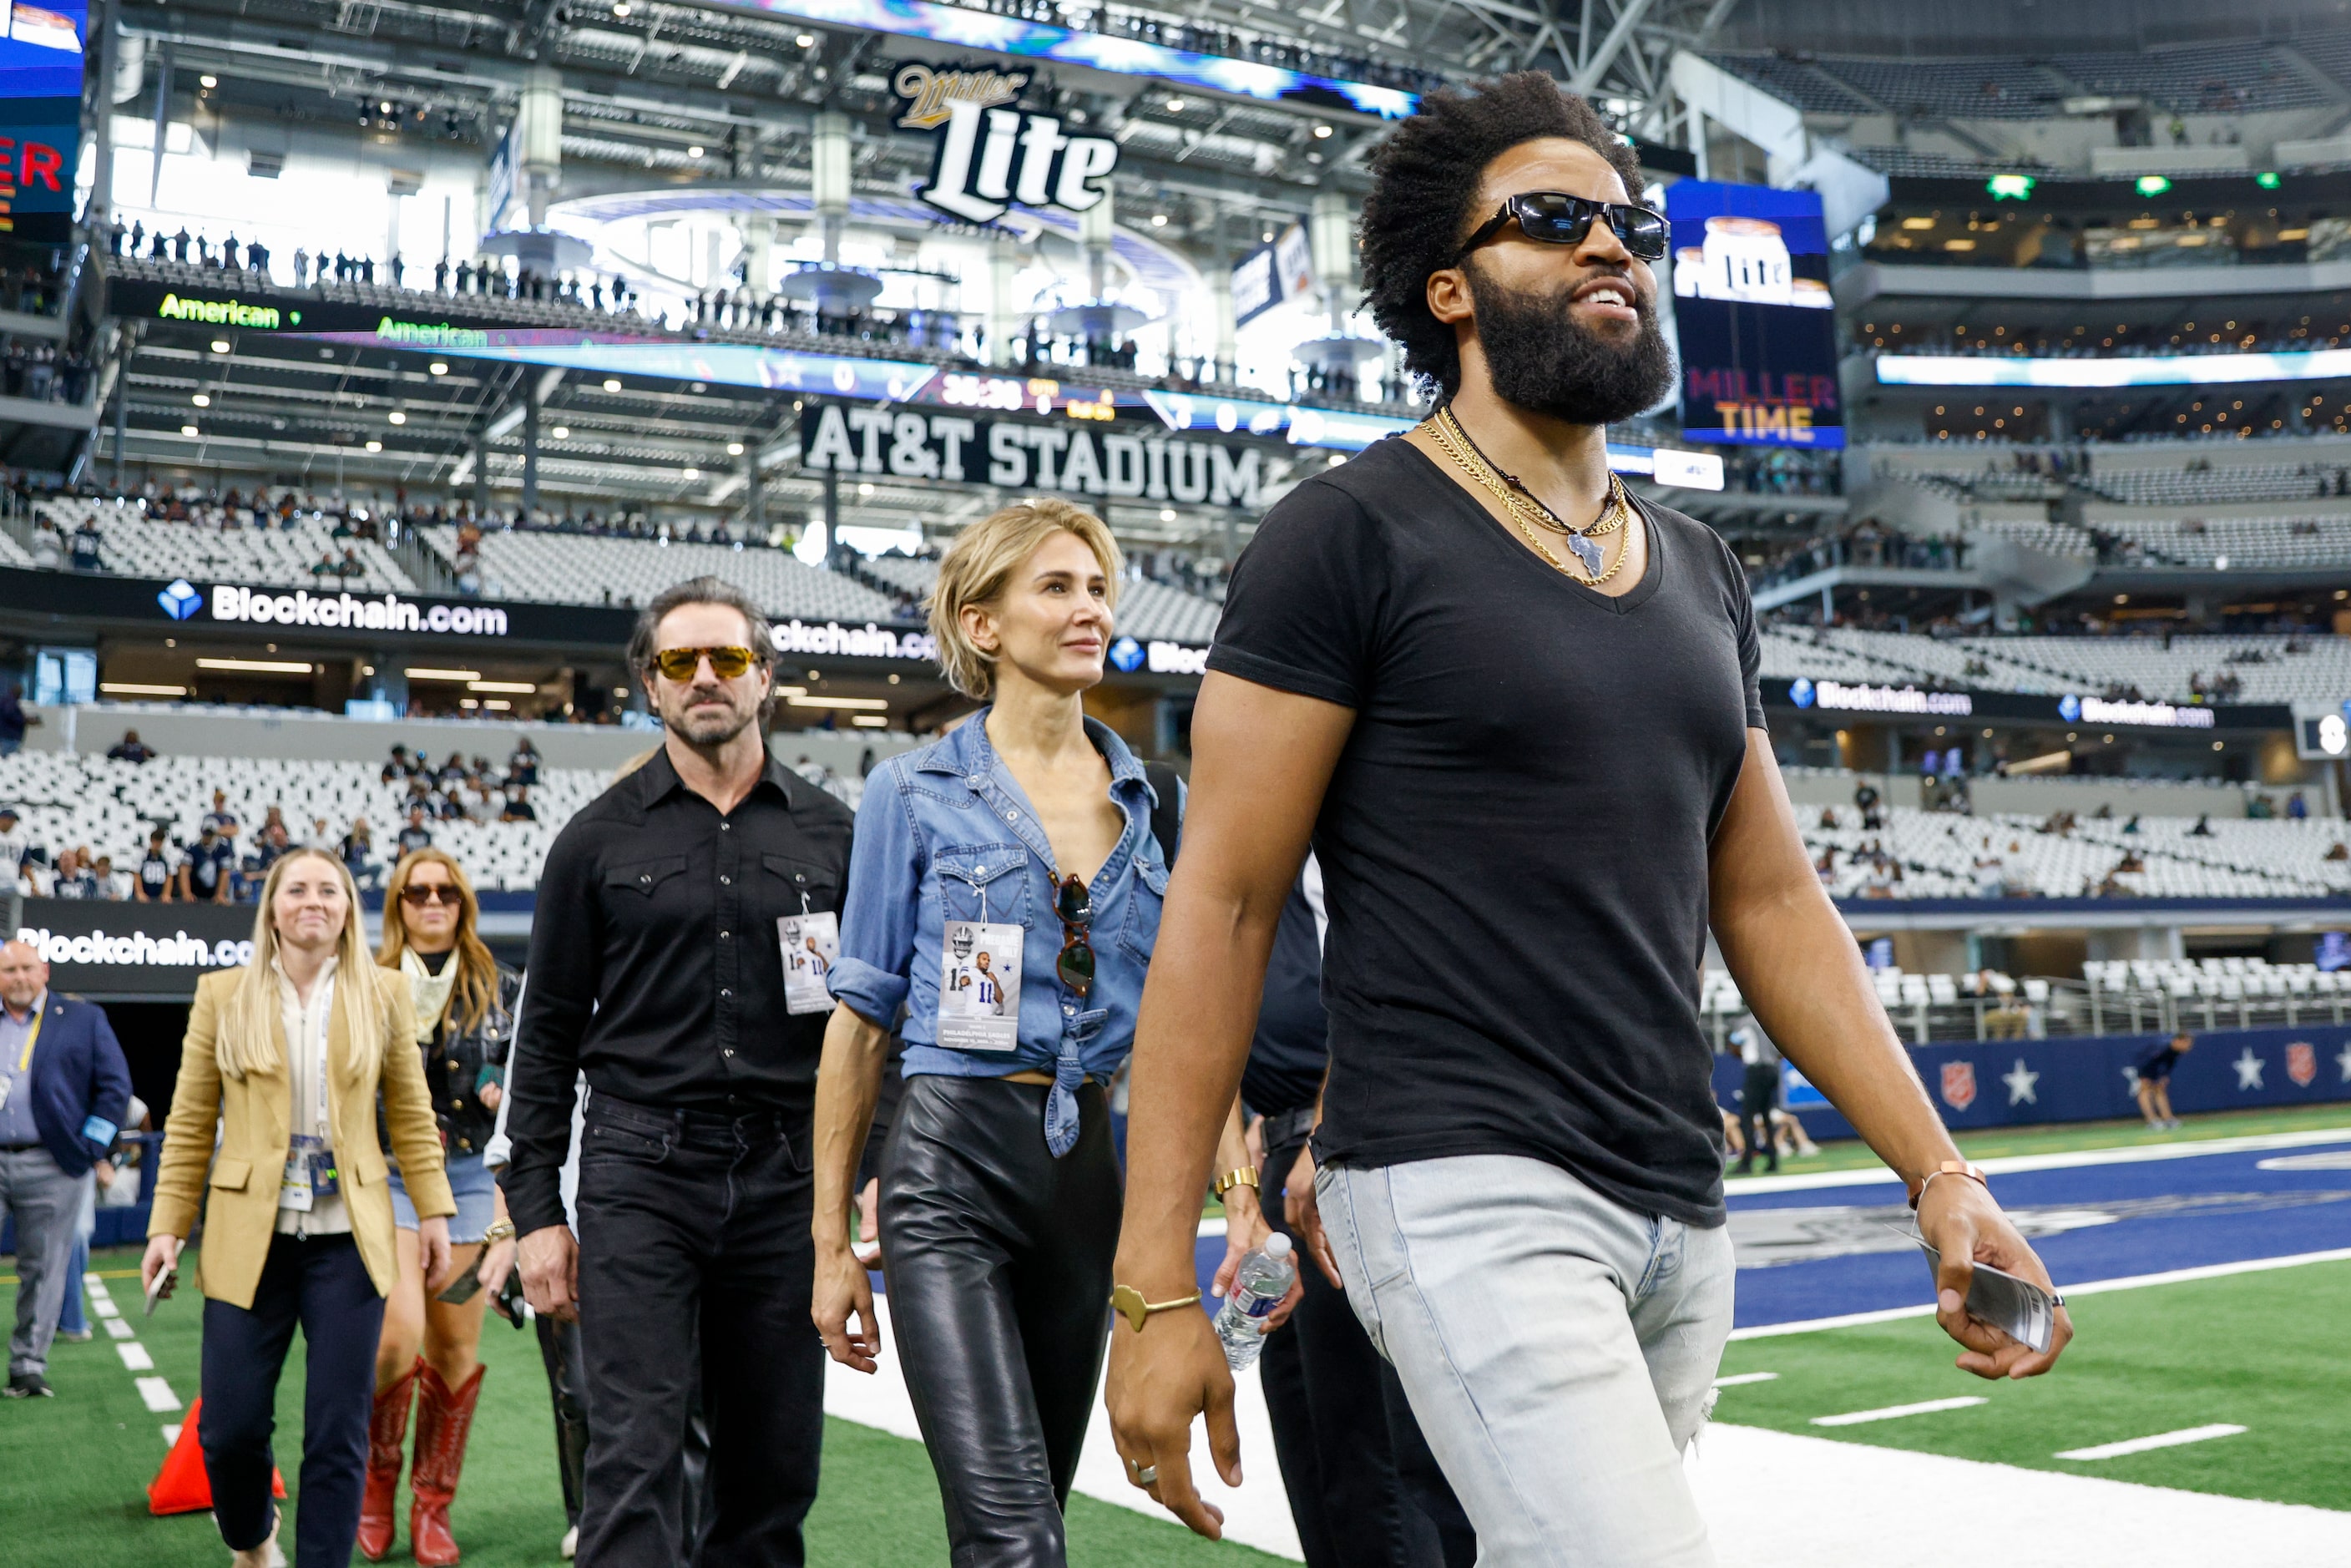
(812, 945)
(979, 989)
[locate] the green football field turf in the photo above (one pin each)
(2262, 1351)
(1851, 1154)
(74, 1469)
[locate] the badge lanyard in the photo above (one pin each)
(979, 1009)
(25, 1062)
(810, 945)
(310, 1171)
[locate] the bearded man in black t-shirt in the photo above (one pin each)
(1517, 710)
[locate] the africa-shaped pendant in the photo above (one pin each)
(1589, 553)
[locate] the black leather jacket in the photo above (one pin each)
(456, 1061)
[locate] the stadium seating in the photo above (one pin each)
(2205, 79)
(578, 569)
(2185, 487)
(235, 550)
(1147, 609)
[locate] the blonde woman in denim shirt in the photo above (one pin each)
(1000, 1189)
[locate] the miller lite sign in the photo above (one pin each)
(990, 156)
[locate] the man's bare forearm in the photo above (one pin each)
(848, 1083)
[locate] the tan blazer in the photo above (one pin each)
(255, 1114)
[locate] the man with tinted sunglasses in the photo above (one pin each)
(657, 969)
(1517, 710)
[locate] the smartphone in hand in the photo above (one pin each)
(165, 1278)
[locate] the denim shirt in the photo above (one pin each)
(946, 833)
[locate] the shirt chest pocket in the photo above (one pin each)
(641, 892)
(789, 882)
(1144, 901)
(983, 882)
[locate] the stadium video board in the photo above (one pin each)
(41, 49)
(1751, 303)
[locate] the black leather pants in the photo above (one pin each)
(998, 1258)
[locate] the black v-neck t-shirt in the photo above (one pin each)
(1514, 843)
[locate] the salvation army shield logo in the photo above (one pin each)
(2301, 1063)
(1959, 1084)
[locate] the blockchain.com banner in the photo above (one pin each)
(1751, 303)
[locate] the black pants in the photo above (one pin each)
(321, 1283)
(696, 1270)
(1757, 1092)
(998, 1262)
(1363, 1489)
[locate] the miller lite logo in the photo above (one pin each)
(928, 92)
(2301, 1063)
(1959, 1084)
(990, 157)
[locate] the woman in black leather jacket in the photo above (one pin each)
(465, 1004)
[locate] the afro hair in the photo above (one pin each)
(1424, 178)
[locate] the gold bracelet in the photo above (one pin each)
(1245, 1177)
(497, 1232)
(1128, 1302)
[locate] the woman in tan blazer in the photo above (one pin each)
(287, 1056)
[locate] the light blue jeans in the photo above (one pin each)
(1559, 1350)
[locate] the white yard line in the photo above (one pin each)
(1896, 1412)
(1876, 1175)
(118, 1329)
(154, 1392)
(2160, 1440)
(2092, 1288)
(158, 1395)
(134, 1356)
(1746, 1377)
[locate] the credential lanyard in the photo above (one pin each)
(26, 1060)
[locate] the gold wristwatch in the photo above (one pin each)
(1128, 1302)
(1244, 1176)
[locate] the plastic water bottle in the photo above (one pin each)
(1258, 1284)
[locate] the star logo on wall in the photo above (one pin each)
(2020, 1084)
(2130, 1079)
(2249, 1071)
(2343, 1060)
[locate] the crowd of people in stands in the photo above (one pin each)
(1866, 543)
(33, 279)
(43, 371)
(225, 863)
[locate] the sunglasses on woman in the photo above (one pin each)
(1554, 217)
(417, 894)
(1076, 906)
(679, 665)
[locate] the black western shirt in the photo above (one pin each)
(655, 967)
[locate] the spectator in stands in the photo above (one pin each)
(322, 837)
(519, 807)
(15, 844)
(153, 883)
(275, 846)
(2203, 828)
(398, 768)
(2152, 1081)
(64, 1093)
(415, 836)
(2338, 850)
(1759, 1093)
(204, 867)
(2131, 826)
(522, 768)
(14, 720)
(72, 879)
(101, 874)
(1873, 814)
(2297, 810)
(220, 819)
(357, 853)
(130, 748)
(85, 546)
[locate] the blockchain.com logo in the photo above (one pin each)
(1127, 655)
(181, 600)
(2069, 708)
(1800, 692)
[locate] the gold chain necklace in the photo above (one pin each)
(1517, 508)
(1530, 506)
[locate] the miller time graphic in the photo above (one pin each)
(989, 156)
(1070, 458)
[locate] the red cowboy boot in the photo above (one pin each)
(387, 1427)
(443, 1419)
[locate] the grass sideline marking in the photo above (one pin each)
(2160, 1440)
(1746, 1377)
(2010, 1164)
(2093, 1288)
(1893, 1412)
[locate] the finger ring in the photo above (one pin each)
(1145, 1475)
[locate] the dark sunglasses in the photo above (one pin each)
(1075, 905)
(679, 665)
(1554, 217)
(416, 895)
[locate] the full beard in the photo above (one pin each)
(1545, 360)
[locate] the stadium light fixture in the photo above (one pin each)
(139, 689)
(257, 667)
(734, 449)
(2268, 180)
(612, 383)
(523, 688)
(201, 401)
(870, 721)
(208, 81)
(2151, 184)
(398, 418)
(2010, 187)
(439, 367)
(220, 345)
(423, 672)
(375, 446)
(187, 430)
(865, 704)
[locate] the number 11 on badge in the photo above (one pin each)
(810, 945)
(980, 987)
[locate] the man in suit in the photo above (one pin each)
(64, 1087)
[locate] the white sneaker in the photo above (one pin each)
(571, 1546)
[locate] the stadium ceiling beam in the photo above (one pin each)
(1593, 67)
